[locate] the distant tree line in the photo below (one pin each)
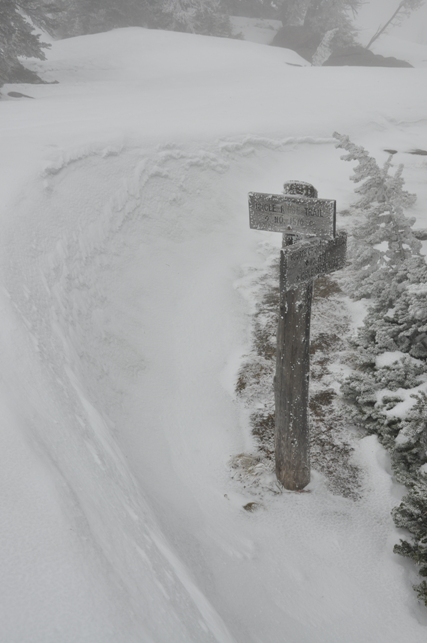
(65, 18)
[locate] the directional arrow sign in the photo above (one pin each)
(292, 214)
(304, 261)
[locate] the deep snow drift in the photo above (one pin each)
(124, 239)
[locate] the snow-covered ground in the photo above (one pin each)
(124, 237)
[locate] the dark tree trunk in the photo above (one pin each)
(313, 13)
(286, 12)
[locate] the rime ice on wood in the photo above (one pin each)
(291, 438)
(292, 214)
(309, 221)
(304, 261)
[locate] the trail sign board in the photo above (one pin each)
(292, 215)
(311, 248)
(304, 261)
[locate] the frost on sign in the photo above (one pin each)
(300, 263)
(292, 214)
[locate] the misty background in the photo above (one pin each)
(321, 31)
(138, 318)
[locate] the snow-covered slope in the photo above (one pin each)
(124, 236)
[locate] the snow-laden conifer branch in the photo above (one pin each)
(387, 390)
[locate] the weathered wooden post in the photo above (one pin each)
(310, 248)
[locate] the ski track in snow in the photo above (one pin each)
(65, 318)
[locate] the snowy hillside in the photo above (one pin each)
(125, 245)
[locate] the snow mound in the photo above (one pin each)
(124, 229)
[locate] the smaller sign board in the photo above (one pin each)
(304, 261)
(294, 215)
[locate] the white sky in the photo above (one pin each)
(377, 12)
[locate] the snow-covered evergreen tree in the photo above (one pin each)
(410, 452)
(390, 349)
(398, 319)
(383, 239)
(412, 515)
(371, 409)
(46, 14)
(378, 186)
(17, 38)
(387, 266)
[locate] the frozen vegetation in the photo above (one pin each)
(137, 503)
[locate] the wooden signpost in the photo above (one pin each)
(303, 261)
(311, 248)
(292, 215)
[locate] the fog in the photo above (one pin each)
(138, 317)
(377, 12)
